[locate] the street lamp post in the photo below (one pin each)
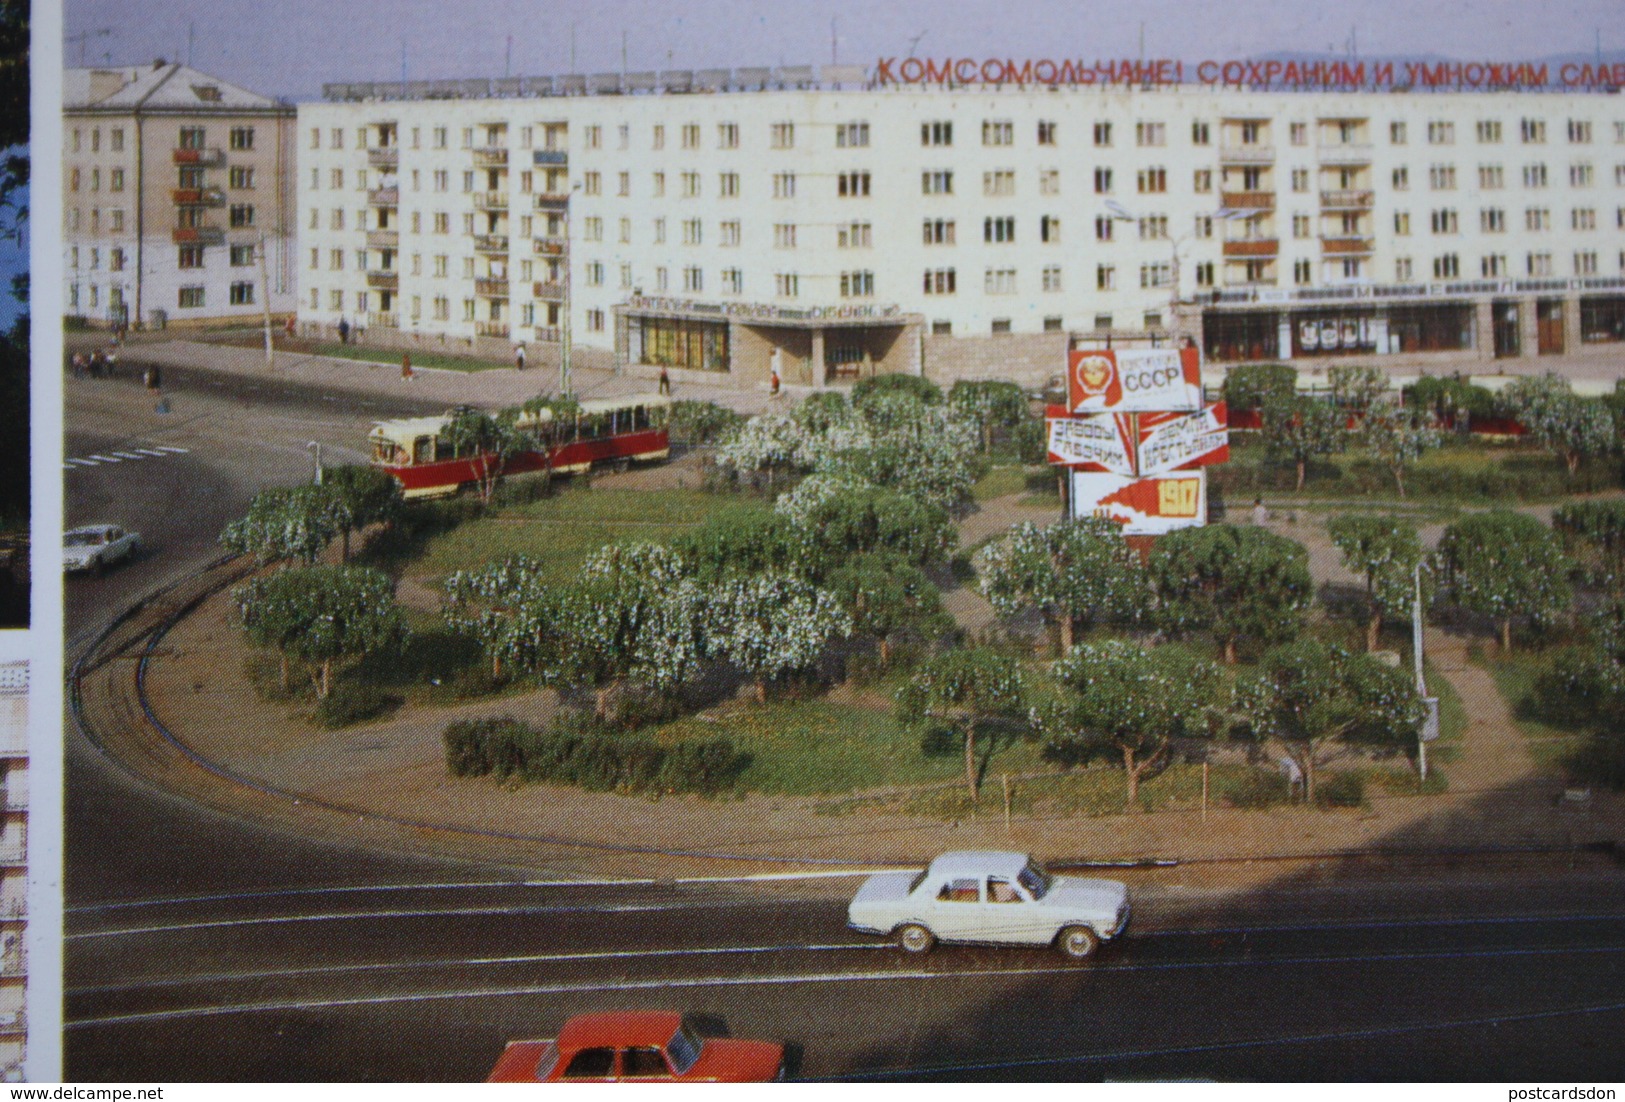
(1120, 213)
(564, 329)
(316, 446)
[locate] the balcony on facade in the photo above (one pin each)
(1353, 153)
(1258, 246)
(13, 1022)
(383, 239)
(551, 292)
(550, 246)
(383, 156)
(491, 157)
(384, 197)
(1247, 154)
(552, 200)
(383, 319)
(1247, 200)
(491, 329)
(491, 243)
(1347, 199)
(548, 334)
(209, 158)
(198, 196)
(1346, 245)
(491, 288)
(14, 964)
(384, 279)
(490, 200)
(549, 157)
(199, 235)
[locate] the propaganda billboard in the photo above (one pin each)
(1139, 444)
(1143, 506)
(1128, 380)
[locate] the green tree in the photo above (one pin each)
(360, 495)
(619, 598)
(746, 539)
(1386, 551)
(1398, 437)
(886, 595)
(915, 386)
(773, 624)
(507, 608)
(1232, 582)
(1132, 701)
(1308, 694)
(1299, 427)
(1254, 386)
(323, 614)
(963, 687)
(991, 404)
(1597, 527)
(285, 522)
(858, 519)
(1506, 566)
(1079, 569)
(1356, 387)
(489, 440)
(1559, 421)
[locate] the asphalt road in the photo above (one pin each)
(206, 947)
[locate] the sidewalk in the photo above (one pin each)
(492, 388)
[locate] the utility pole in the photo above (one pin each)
(564, 329)
(265, 296)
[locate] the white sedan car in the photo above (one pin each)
(97, 546)
(990, 898)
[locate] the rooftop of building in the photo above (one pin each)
(160, 86)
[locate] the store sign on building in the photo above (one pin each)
(1134, 380)
(1143, 506)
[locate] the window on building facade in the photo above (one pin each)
(1580, 175)
(733, 281)
(727, 135)
(1402, 179)
(691, 135)
(1049, 229)
(936, 133)
(783, 135)
(939, 281)
(937, 183)
(787, 285)
(1000, 281)
(1204, 273)
(1403, 269)
(998, 132)
(1049, 181)
(1103, 181)
(1052, 278)
(939, 231)
(1046, 132)
(852, 135)
(1443, 221)
(1000, 183)
(1532, 131)
(190, 298)
(242, 294)
(784, 185)
(784, 236)
(243, 255)
(854, 235)
(1489, 131)
(1103, 227)
(1150, 134)
(1585, 263)
(1442, 177)
(1300, 180)
(1491, 267)
(242, 215)
(857, 284)
(729, 233)
(1153, 276)
(1583, 218)
(1154, 227)
(1103, 133)
(1538, 264)
(998, 231)
(1492, 220)
(1150, 181)
(691, 231)
(1201, 133)
(1447, 266)
(1105, 277)
(853, 185)
(1491, 178)
(1534, 175)
(240, 176)
(191, 256)
(1202, 181)
(1441, 133)
(693, 280)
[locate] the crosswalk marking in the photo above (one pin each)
(134, 454)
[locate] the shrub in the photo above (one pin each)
(1252, 386)
(1571, 689)
(916, 385)
(1341, 790)
(1258, 788)
(350, 702)
(1451, 393)
(700, 422)
(560, 754)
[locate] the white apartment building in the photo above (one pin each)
(177, 198)
(724, 222)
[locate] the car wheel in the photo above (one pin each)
(1077, 942)
(915, 938)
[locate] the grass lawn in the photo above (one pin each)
(563, 530)
(822, 747)
(1000, 482)
(1514, 676)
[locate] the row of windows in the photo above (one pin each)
(191, 137)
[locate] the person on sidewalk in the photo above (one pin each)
(154, 379)
(773, 382)
(406, 365)
(1261, 515)
(288, 327)
(344, 331)
(519, 356)
(665, 381)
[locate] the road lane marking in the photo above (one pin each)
(475, 962)
(129, 455)
(777, 980)
(151, 451)
(172, 448)
(105, 458)
(85, 462)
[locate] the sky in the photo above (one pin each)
(291, 47)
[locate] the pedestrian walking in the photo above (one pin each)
(1261, 515)
(406, 365)
(77, 365)
(665, 381)
(96, 364)
(288, 327)
(519, 356)
(110, 362)
(154, 378)
(773, 381)
(344, 331)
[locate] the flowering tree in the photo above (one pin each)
(1355, 387)
(990, 405)
(1387, 551)
(770, 442)
(771, 624)
(1076, 570)
(284, 522)
(1253, 386)
(1600, 527)
(507, 608)
(1505, 565)
(490, 440)
(322, 614)
(886, 596)
(963, 687)
(1308, 694)
(1233, 582)
(1399, 437)
(1569, 426)
(857, 520)
(1131, 700)
(359, 495)
(1299, 427)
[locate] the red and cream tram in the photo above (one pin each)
(602, 430)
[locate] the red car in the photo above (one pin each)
(637, 1046)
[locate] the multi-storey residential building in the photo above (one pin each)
(13, 866)
(833, 230)
(178, 198)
